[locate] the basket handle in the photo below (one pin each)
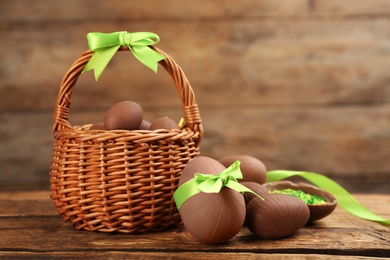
(187, 96)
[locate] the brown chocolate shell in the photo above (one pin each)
(214, 217)
(164, 123)
(125, 115)
(277, 216)
(211, 217)
(252, 168)
(255, 187)
(317, 212)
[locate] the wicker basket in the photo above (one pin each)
(121, 180)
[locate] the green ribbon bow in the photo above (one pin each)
(209, 183)
(105, 45)
(344, 198)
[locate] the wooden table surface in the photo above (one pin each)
(30, 228)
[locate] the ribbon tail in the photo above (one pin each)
(240, 188)
(100, 59)
(344, 198)
(147, 56)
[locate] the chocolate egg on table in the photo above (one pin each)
(164, 123)
(277, 216)
(258, 188)
(125, 115)
(214, 217)
(145, 125)
(211, 217)
(97, 126)
(313, 193)
(252, 168)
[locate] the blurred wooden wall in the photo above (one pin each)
(300, 84)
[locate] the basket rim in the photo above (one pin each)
(79, 134)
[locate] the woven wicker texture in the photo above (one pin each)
(121, 180)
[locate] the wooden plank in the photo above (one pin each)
(338, 234)
(241, 62)
(332, 140)
(322, 239)
(25, 196)
(323, 140)
(302, 139)
(174, 9)
(26, 203)
(173, 255)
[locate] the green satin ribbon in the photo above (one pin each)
(105, 45)
(344, 198)
(209, 183)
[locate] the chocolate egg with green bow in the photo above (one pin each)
(211, 217)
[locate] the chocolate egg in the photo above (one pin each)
(317, 212)
(255, 187)
(211, 217)
(125, 115)
(214, 217)
(145, 125)
(252, 169)
(164, 123)
(277, 216)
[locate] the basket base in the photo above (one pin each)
(118, 185)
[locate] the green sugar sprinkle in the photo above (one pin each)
(307, 198)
